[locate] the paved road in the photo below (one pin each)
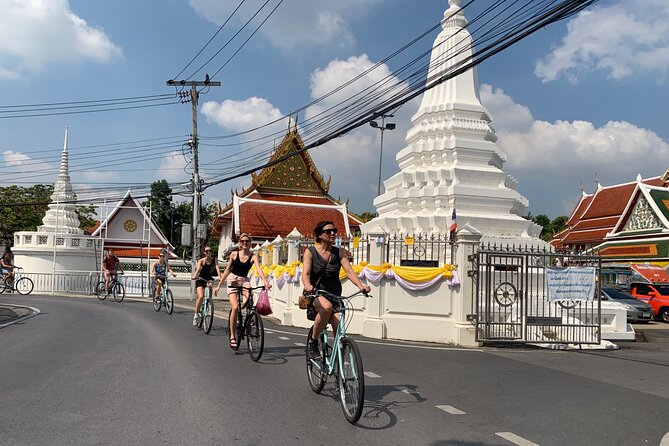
(90, 372)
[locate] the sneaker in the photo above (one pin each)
(195, 319)
(312, 350)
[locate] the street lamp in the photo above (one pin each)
(383, 127)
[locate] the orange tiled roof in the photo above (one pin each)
(592, 235)
(137, 253)
(266, 220)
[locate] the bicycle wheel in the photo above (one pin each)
(316, 374)
(238, 328)
(209, 317)
(169, 301)
(119, 292)
(157, 302)
(255, 335)
(351, 381)
(101, 290)
(24, 285)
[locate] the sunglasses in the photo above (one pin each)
(207, 250)
(330, 231)
(245, 241)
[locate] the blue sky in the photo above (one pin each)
(578, 100)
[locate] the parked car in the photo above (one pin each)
(656, 295)
(637, 310)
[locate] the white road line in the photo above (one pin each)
(284, 338)
(665, 440)
(407, 391)
(372, 375)
(452, 410)
(300, 344)
(269, 331)
(515, 439)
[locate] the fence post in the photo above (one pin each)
(276, 243)
(373, 326)
(292, 291)
(468, 240)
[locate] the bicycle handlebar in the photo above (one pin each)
(315, 292)
(209, 281)
(242, 287)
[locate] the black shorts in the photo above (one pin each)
(200, 283)
(311, 310)
(162, 279)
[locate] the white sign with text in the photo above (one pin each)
(570, 283)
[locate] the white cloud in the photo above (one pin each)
(240, 115)
(295, 22)
(21, 167)
(37, 33)
(622, 39)
(568, 152)
(172, 168)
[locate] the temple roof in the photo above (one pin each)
(290, 194)
(597, 215)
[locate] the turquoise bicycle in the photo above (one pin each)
(343, 360)
(206, 311)
(164, 298)
(20, 284)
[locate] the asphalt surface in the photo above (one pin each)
(89, 372)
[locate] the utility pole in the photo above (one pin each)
(197, 186)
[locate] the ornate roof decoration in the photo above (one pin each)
(295, 175)
(642, 217)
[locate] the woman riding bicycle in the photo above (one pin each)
(7, 266)
(321, 265)
(159, 270)
(236, 273)
(206, 269)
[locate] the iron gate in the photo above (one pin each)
(512, 304)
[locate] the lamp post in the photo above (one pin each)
(383, 127)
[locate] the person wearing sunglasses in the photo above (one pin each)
(321, 265)
(236, 272)
(206, 269)
(159, 270)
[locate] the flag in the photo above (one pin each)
(454, 226)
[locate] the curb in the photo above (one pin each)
(24, 312)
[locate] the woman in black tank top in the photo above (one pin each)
(237, 271)
(205, 271)
(322, 263)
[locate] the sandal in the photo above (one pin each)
(233, 344)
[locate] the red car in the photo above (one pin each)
(656, 295)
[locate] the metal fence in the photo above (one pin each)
(357, 251)
(84, 283)
(512, 299)
(417, 250)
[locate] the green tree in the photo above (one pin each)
(548, 227)
(22, 208)
(367, 216)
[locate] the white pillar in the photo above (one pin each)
(468, 241)
(293, 291)
(276, 249)
(373, 326)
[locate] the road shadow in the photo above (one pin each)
(280, 355)
(464, 443)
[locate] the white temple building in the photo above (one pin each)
(451, 159)
(58, 245)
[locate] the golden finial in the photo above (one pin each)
(296, 116)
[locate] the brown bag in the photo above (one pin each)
(304, 301)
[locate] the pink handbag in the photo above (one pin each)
(262, 306)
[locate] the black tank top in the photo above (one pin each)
(207, 270)
(330, 281)
(240, 268)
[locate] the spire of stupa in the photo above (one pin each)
(61, 216)
(451, 155)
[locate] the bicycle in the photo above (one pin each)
(164, 298)
(206, 311)
(116, 288)
(249, 324)
(21, 284)
(342, 359)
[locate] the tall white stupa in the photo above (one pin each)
(451, 158)
(58, 247)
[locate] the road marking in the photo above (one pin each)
(269, 331)
(284, 338)
(372, 375)
(452, 410)
(515, 439)
(300, 344)
(665, 440)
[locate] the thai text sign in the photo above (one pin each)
(570, 283)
